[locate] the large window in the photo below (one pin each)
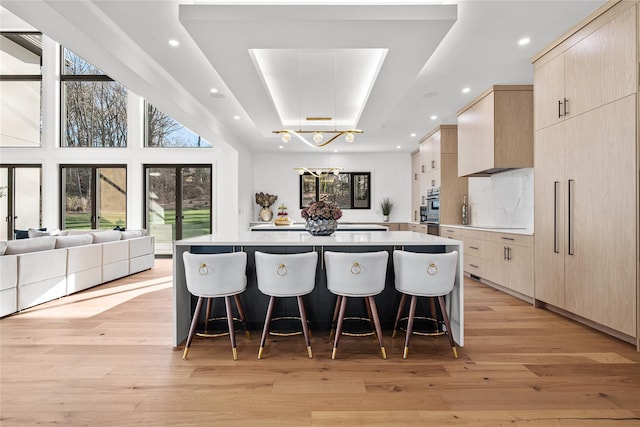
(164, 131)
(178, 203)
(94, 107)
(94, 196)
(20, 89)
(349, 190)
(20, 198)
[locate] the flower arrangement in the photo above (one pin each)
(321, 209)
(265, 199)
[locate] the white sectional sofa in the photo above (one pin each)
(40, 269)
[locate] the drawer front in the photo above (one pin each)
(511, 239)
(475, 234)
(474, 265)
(450, 232)
(476, 248)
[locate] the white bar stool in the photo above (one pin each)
(360, 275)
(424, 275)
(286, 275)
(215, 276)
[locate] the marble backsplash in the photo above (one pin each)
(502, 200)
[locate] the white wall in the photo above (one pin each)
(390, 176)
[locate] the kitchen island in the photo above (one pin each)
(320, 302)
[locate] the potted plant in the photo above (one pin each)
(321, 218)
(387, 206)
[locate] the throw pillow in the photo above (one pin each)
(70, 241)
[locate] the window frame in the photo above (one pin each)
(64, 77)
(95, 221)
(351, 189)
(26, 77)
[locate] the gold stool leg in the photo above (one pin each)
(192, 329)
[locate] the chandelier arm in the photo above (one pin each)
(299, 133)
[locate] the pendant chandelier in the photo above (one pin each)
(317, 172)
(318, 139)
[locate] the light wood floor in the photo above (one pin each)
(105, 358)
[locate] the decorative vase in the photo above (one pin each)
(265, 214)
(385, 218)
(321, 226)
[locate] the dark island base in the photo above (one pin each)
(320, 303)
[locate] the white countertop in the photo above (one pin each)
(495, 229)
(299, 226)
(303, 238)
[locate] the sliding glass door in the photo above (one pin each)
(94, 196)
(20, 198)
(178, 203)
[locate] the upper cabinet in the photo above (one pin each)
(495, 131)
(569, 80)
(439, 157)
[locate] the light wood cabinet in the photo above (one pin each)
(495, 131)
(586, 172)
(416, 197)
(451, 232)
(570, 82)
(440, 148)
(504, 259)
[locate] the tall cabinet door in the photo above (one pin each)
(600, 266)
(549, 220)
(601, 67)
(548, 95)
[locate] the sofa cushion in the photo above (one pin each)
(30, 245)
(70, 241)
(62, 233)
(32, 232)
(106, 236)
(3, 247)
(131, 234)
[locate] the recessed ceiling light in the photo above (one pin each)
(413, 135)
(398, 146)
(174, 42)
(215, 93)
(524, 41)
(466, 90)
(433, 117)
(335, 151)
(281, 147)
(236, 117)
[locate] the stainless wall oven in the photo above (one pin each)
(430, 212)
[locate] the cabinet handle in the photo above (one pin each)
(508, 238)
(422, 201)
(504, 253)
(566, 102)
(555, 217)
(474, 247)
(433, 164)
(415, 176)
(433, 182)
(449, 231)
(508, 253)
(559, 104)
(569, 213)
(473, 265)
(422, 167)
